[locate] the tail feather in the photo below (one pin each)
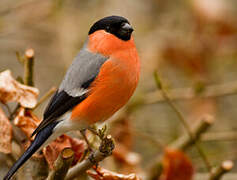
(40, 138)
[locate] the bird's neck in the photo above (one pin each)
(107, 44)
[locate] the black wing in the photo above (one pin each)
(59, 104)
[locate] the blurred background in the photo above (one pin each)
(192, 44)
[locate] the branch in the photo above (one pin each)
(184, 142)
(181, 143)
(218, 172)
(105, 150)
(220, 136)
(190, 93)
(182, 120)
(28, 67)
(62, 164)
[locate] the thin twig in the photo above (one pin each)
(20, 58)
(105, 150)
(182, 120)
(45, 97)
(28, 67)
(218, 172)
(210, 91)
(220, 136)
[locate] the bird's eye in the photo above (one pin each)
(122, 24)
(107, 28)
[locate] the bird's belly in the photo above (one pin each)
(105, 101)
(111, 90)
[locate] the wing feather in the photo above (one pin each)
(73, 89)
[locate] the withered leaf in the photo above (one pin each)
(104, 174)
(176, 166)
(26, 120)
(11, 90)
(52, 151)
(78, 146)
(5, 133)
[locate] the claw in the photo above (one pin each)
(100, 132)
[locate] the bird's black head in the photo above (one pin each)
(116, 25)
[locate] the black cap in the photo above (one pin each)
(116, 25)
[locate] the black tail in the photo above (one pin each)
(40, 138)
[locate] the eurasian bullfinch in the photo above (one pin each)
(101, 79)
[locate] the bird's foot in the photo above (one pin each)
(89, 149)
(101, 133)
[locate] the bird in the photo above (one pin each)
(100, 81)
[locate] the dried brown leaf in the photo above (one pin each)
(5, 133)
(27, 121)
(176, 166)
(78, 146)
(11, 90)
(52, 151)
(104, 174)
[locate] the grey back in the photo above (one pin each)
(82, 72)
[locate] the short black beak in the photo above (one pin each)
(127, 27)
